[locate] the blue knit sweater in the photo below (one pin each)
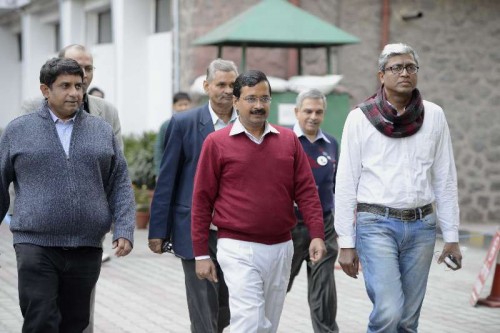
(323, 157)
(65, 201)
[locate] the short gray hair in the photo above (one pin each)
(392, 50)
(220, 65)
(311, 94)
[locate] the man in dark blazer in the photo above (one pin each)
(171, 207)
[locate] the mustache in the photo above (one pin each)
(258, 111)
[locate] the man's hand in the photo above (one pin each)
(205, 269)
(122, 246)
(452, 249)
(155, 245)
(317, 250)
(349, 261)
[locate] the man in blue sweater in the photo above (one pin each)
(71, 183)
(322, 152)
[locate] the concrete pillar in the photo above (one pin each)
(131, 27)
(10, 86)
(37, 43)
(72, 22)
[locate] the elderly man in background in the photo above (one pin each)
(322, 152)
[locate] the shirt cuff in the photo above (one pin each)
(202, 257)
(450, 236)
(347, 242)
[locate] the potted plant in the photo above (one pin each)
(139, 153)
(142, 205)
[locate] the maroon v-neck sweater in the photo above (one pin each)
(248, 190)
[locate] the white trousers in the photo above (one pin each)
(257, 278)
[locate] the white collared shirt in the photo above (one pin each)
(216, 121)
(400, 173)
(239, 128)
(298, 132)
(64, 130)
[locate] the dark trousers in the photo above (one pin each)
(322, 294)
(55, 285)
(208, 302)
(90, 327)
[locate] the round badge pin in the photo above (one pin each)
(322, 160)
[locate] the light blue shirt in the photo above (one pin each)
(216, 121)
(64, 129)
(298, 131)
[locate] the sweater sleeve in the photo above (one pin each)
(206, 188)
(306, 194)
(6, 175)
(121, 197)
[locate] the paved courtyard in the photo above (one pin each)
(145, 292)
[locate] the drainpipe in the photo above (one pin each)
(176, 46)
(385, 24)
(293, 67)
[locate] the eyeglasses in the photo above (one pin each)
(88, 69)
(253, 100)
(398, 69)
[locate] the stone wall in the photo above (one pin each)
(459, 47)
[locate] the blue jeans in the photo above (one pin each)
(395, 257)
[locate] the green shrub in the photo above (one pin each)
(139, 153)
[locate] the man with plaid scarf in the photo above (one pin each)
(396, 179)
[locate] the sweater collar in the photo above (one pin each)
(45, 112)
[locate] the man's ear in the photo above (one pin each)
(45, 90)
(296, 111)
(235, 100)
(205, 86)
(381, 77)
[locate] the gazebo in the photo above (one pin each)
(278, 23)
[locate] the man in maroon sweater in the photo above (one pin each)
(249, 175)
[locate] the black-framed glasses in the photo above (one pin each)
(398, 69)
(253, 100)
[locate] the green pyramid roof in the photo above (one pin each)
(276, 23)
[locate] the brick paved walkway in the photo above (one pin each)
(145, 293)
